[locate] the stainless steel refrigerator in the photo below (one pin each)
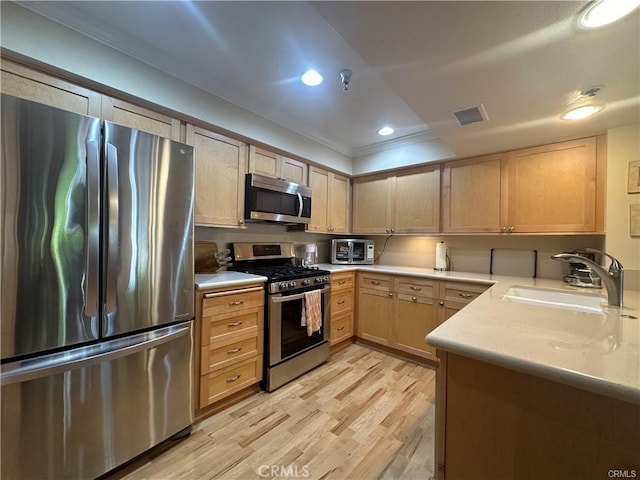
(97, 292)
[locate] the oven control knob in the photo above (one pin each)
(283, 285)
(306, 281)
(292, 284)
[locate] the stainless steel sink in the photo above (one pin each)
(545, 297)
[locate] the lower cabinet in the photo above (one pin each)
(343, 287)
(398, 312)
(229, 342)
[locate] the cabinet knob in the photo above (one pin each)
(510, 229)
(390, 294)
(442, 304)
(414, 299)
(241, 222)
(503, 228)
(393, 230)
(387, 230)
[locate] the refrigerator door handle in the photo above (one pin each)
(112, 232)
(92, 256)
(54, 363)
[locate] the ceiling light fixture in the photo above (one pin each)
(579, 113)
(311, 78)
(603, 12)
(384, 131)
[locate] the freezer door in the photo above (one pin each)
(81, 413)
(49, 191)
(148, 240)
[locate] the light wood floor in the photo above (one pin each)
(363, 415)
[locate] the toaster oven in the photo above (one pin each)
(352, 251)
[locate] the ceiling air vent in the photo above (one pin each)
(471, 115)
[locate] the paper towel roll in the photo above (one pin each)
(441, 256)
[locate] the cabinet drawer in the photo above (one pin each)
(341, 327)
(225, 302)
(375, 282)
(342, 280)
(461, 292)
(228, 380)
(415, 286)
(415, 299)
(341, 301)
(217, 356)
(220, 328)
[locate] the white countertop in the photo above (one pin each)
(599, 353)
(226, 279)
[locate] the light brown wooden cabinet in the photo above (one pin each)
(271, 164)
(38, 87)
(399, 311)
(343, 288)
(220, 165)
(229, 342)
(404, 202)
(557, 188)
(143, 119)
(330, 202)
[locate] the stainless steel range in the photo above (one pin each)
(289, 350)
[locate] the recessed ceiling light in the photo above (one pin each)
(581, 112)
(603, 12)
(311, 78)
(384, 131)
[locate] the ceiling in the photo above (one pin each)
(413, 64)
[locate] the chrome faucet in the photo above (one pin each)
(612, 278)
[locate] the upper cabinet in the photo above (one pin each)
(557, 188)
(220, 164)
(329, 202)
(133, 116)
(273, 165)
(405, 202)
(472, 194)
(553, 188)
(38, 87)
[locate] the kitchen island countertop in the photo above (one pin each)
(598, 353)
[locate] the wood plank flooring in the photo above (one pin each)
(362, 415)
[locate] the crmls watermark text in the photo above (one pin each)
(622, 474)
(288, 471)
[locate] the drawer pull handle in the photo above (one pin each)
(415, 289)
(234, 324)
(340, 302)
(375, 282)
(414, 299)
(341, 328)
(234, 350)
(465, 295)
(239, 302)
(342, 282)
(233, 379)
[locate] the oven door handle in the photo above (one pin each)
(288, 298)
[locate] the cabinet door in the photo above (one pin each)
(339, 204)
(371, 205)
(293, 171)
(132, 116)
(415, 318)
(219, 183)
(319, 183)
(553, 188)
(375, 310)
(38, 87)
(263, 162)
(416, 208)
(472, 194)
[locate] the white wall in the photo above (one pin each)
(33, 36)
(623, 146)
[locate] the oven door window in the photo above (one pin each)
(294, 336)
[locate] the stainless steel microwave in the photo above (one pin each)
(276, 200)
(352, 251)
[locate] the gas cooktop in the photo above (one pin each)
(276, 273)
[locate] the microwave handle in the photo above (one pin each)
(299, 200)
